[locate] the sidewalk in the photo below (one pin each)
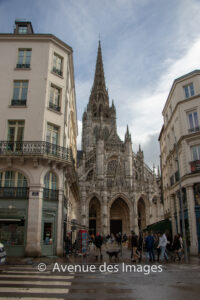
(80, 259)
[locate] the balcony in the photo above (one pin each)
(57, 71)
(195, 166)
(18, 102)
(36, 149)
(49, 194)
(194, 129)
(54, 106)
(14, 192)
(23, 66)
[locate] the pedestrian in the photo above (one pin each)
(176, 246)
(134, 246)
(98, 243)
(156, 243)
(149, 245)
(162, 245)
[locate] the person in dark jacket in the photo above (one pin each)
(98, 243)
(176, 246)
(149, 245)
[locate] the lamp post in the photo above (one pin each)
(182, 210)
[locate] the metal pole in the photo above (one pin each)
(182, 211)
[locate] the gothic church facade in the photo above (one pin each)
(118, 192)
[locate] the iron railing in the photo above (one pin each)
(23, 66)
(54, 106)
(194, 129)
(29, 148)
(18, 102)
(57, 71)
(49, 194)
(195, 166)
(14, 192)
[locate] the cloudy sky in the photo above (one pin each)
(146, 44)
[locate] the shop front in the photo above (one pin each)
(13, 225)
(49, 223)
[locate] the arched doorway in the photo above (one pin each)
(141, 214)
(119, 217)
(94, 216)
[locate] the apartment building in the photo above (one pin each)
(180, 157)
(38, 130)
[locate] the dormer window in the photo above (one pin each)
(23, 30)
(23, 27)
(189, 90)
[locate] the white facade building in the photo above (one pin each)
(38, 130)
(180, 139)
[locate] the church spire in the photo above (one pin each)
(99, 91)
(99, 79)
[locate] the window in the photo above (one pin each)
(22, 29)
(15, 135)
(20, 93)
(57, 64)
(193, 121)
(50, 181)
(24, 58)
(50, 186)
(54, 101)
(13, 185)
(195, 152)
(12, 179)
(189, 90)
(52, 134)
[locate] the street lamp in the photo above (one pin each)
(182, 211)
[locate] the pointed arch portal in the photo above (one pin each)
(119, 217)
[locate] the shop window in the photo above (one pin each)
(12, 233)
(48, 233)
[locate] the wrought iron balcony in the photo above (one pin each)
(195, 166)
(18, 102)
(194, 129)
(14, 192)
(23, 66)
(54, 106)
(29, 148)
(49, 194)
(57, 71)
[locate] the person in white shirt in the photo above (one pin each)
(162, 245)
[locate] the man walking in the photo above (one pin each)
(149, 245)
(162, 245)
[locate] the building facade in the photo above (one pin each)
(118, 192)
(38, 130)
(180, 157)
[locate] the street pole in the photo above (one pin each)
(182, 210)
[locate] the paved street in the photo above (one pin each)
(26, 282)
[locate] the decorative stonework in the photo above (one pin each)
(110, 171)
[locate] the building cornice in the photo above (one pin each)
(41, 37)
(176, 81)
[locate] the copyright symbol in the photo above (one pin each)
(42, 267)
